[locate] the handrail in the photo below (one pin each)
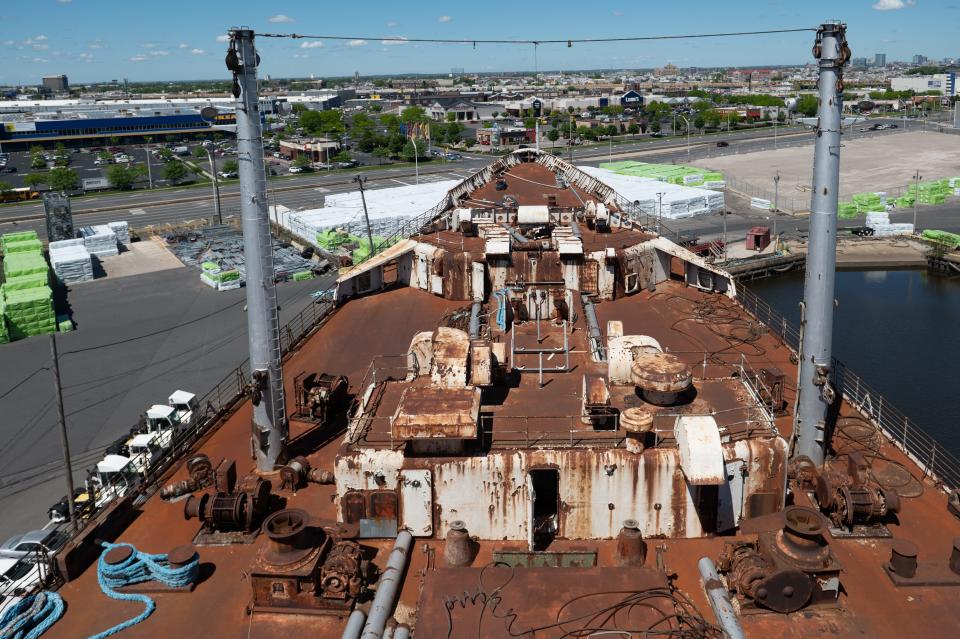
(933, 459)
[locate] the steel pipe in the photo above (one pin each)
(354, 625)
(388, 588)
(719, 599)
(402, 632)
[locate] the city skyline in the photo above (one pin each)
(186, 42)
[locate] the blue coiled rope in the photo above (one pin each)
(138, 568)
(31, 616)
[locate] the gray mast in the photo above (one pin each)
(815, 394)
(269, 427)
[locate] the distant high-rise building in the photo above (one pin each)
(879, 59)
(859, 63)
(919, 59)
(56, 83)
(356, 77)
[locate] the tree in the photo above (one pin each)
(413, 115)
(808, 104)
(451, 117)
(469, 142)
(298, 108)
(381, 153)
(553, 135)
(36, 149)
(343, 156)
(633, 129)
(570, 109)
(496, 114)
(114, 140)
(301, 162)
(60, 148)
(122, 177)
(199, 152)
(326, 123)
(410, 151)
(63, 179)
(34, 180)
(174, 172)
(37, 161)
(230, 166)
(699, 122)
(165, 154)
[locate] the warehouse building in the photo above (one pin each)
(945, 83)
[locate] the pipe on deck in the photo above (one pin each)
(475, 319)
(719, 599)
(354, 625)
(388, 587)
(402, 632)
(593, 329)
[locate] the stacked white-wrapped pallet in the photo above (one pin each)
(122, 230)
(678, 201)
(879, 221)
(100, 240)
(71, 261)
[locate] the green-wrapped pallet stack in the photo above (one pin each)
(948, 239)
(847, 210)
(300, 276)
(4, 335)
(25, 297)
(674, 174)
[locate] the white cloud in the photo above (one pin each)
(356, 43)
(148, 45)
(893, 5)
(391, 24)
(223, 38)
(393, 42)
(160, 53)
(86, 56)
(40, 60)
(444, 19)
(198, 52)
(301, 56)
(64, 1)
(97, 44)
(40, 38)
(313, 44)
(280, 18)
(138, 58)
(8, 43)
(41, 47)
(184, 45)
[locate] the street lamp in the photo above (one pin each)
(687, 123)
(416, 163)
(216, 183)
(660, 212)
(149, 168)
(916, 196)
(776, 208)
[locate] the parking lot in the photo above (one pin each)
(88, 163)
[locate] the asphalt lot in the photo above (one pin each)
(138, 338)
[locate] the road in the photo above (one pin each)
(157, 208)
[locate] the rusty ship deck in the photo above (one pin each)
(708, 331)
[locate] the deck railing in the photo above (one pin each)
(934, 460)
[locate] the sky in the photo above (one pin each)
(101, 40)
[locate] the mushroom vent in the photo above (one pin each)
(661, 378)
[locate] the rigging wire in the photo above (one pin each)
(565, 41)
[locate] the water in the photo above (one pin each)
(898, 330)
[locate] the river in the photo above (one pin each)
(898, 330)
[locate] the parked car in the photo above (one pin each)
(27, 544)
(296, 169)
(227, 175)
(18, 577)
(347, 165)
(723, 143)
(656, 134)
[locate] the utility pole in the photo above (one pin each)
(815, 394)
(724, 215)
(64, 440)
(269, 427)
(570, 140)
(776, 208)
(216, 184)
(363, 198)
(916, 196)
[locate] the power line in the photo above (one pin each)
(567, 41)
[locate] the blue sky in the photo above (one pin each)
(92, 40)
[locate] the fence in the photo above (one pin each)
(935, 461)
